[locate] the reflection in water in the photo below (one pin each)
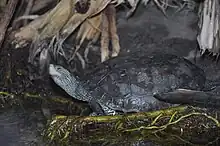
(20, 128)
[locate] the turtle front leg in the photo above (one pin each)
(93, 114)
(96, 108)
(99, 109)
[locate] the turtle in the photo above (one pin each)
(128, 83)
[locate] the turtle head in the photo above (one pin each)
(61, 76)
(68, 82)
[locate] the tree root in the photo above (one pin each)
(182, 122)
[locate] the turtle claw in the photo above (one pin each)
(93, 114)
(96, 107)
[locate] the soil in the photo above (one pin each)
(148, 30)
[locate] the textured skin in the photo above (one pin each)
(127, 83)
(71, 84)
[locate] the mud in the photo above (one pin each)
(148, 30)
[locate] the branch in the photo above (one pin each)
(5, 20)
(191, 97)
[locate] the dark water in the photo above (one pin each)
(19, 127)
(23, 127)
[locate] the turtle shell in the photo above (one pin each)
(127, 83)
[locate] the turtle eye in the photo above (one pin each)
(59, 68)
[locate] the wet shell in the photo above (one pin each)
(128, 83)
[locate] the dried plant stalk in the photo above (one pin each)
(209, 36)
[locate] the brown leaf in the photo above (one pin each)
(89, 29)
(96, 7)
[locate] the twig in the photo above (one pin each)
(9, 11)
(81, 60)
(41, 4)
(28, 9)
(32, 17)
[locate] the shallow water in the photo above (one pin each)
(19, 127)
(22, 127)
